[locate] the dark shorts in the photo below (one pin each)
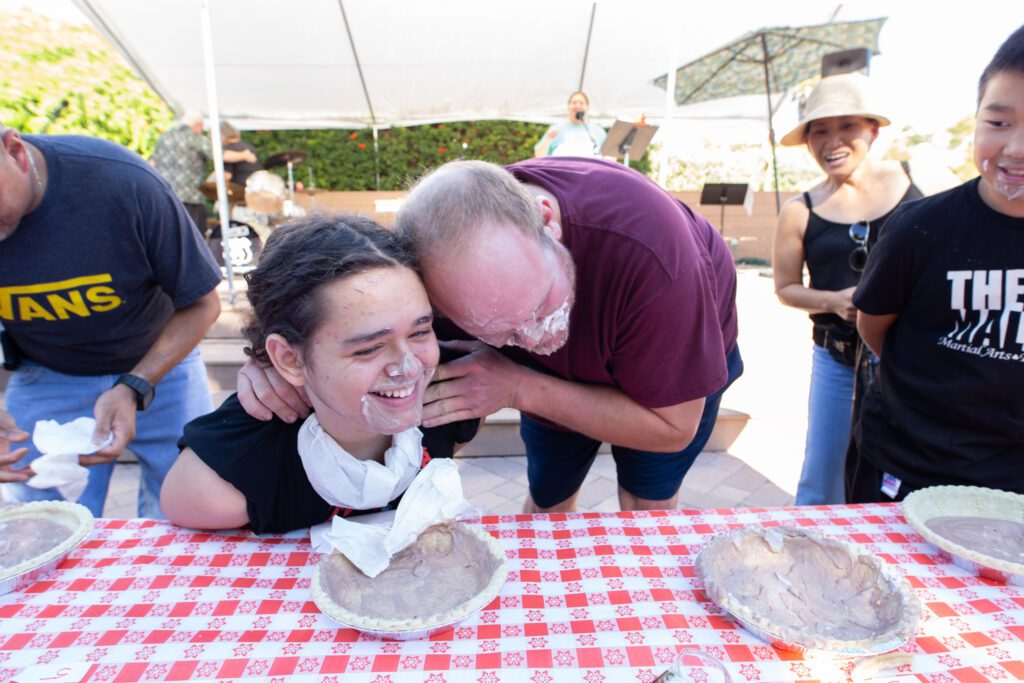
(558, 461)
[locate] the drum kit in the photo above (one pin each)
(256, 209)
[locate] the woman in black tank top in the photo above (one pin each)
(828, 229)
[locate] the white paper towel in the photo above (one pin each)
(60, 445)
(370, 541)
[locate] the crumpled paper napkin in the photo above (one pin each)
(60, 446)
(370, 541)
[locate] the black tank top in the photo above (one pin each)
(827, 248)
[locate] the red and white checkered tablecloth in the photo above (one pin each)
(590, 597)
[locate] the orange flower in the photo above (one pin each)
(362, 145)
(353, 136)
(442, 150)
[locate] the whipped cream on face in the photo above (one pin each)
(1010, 181)
(543, 336)
(999, 538)
(405, 378)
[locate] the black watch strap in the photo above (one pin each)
(144, 391)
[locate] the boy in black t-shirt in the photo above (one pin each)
(942, 302)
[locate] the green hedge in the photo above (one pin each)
(345, 159)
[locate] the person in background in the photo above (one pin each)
(182, 155)
(339, 310)
(577, 136)
(942, 303)
(108, 289)
(237, 171)
(827, 229)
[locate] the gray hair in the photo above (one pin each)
(190, 118)
(449, 206)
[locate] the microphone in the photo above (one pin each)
(54, 114)
(579, 117)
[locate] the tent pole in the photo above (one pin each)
(586, 47)
(771, 127)
(218, 149)
(670, 99)
(376, 156)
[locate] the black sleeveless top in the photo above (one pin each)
(827, 248)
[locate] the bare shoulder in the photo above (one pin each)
(793, 216)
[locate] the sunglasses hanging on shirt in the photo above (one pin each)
(859, 234)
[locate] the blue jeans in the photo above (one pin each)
(36, 393)
(557, 461)
(828, 431)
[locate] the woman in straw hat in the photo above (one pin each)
(828, 228)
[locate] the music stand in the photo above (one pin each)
(627, 139)
(846, 61)
(727, 194)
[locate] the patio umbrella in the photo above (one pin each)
(770, 60)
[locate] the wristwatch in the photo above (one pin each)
(144, 391)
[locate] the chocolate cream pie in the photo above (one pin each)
(983, 526)
(808, 592)
(449, 572)
(33, 534)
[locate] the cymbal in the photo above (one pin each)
(236, 192)
(294, 156)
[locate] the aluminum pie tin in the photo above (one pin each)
(35, 569)
(836, 649)
(777, 641)
(970, 501)
(410, 634)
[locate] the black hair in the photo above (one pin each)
(298, 259)
(1008, 58)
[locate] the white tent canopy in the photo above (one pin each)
(357, 63)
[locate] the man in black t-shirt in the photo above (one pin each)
(239, 171)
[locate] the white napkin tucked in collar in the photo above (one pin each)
(343, 480)
(60, 446)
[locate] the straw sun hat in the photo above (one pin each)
(842, 95)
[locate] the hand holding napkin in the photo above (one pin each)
(60, 446)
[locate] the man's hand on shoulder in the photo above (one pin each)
(475, 385)
(264, 393)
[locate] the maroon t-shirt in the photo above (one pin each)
(655, 311)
